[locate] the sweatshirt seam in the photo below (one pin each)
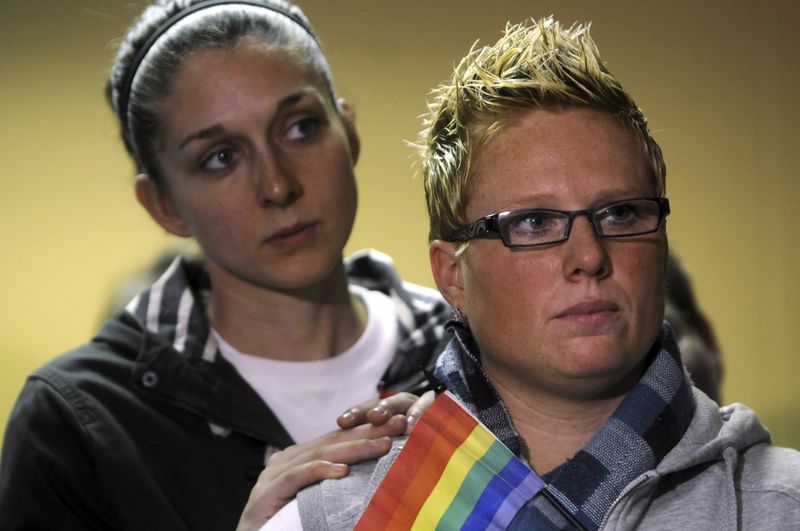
(783, 490)
(75, 410)
(83, 414)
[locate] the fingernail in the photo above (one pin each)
(378, 443)
(380, 410)
(338, 468)
(348, 415)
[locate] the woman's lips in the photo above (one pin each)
(591, 313)
(294, 236)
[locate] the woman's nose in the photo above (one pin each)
(276, 183)
(586, 253)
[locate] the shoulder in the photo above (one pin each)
(726, 467)
(53, 424)
(75, 384)
(337, 504)
(768, 487)
(760, 464)
(734, 435)
(376, 270)
(764, 467)
(418, 307)
(372, 269)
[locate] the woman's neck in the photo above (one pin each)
(311, 324)
(554, 428)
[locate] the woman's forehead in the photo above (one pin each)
(577, 155)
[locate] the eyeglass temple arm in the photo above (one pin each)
(486, 225)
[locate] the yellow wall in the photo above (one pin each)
(718, 79)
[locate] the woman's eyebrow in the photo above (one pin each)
(219, 129)
(208, 132)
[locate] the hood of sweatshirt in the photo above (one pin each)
(698, 479)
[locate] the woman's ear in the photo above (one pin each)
(160, 207)
(446, 268)
(349, 119)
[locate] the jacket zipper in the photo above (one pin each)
(633, 485)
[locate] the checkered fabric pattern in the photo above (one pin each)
(175, 308)
(645, 426)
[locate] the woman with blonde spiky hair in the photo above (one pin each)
(545, 192)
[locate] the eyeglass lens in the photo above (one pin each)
(531, 227)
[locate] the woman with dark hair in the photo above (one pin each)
(167, 417)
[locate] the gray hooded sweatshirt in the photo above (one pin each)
(724, 474)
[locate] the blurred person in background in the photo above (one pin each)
(693, 330)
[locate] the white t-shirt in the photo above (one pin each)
(308, 396)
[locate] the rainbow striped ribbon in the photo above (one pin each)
(452, 474)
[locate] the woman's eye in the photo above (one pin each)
(620, 213)
(221, 159)
(302, 129)
(531, 222)
(534, 224)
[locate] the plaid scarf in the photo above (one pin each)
(646, 425)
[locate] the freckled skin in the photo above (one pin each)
(515, 301)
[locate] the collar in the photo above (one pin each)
(646, 425)
(174, 308)
(179, 363)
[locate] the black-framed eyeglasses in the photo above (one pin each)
(541, 226)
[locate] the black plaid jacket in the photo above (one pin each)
(146, 427)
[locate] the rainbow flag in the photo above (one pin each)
(452, 474)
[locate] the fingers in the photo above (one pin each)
(396, 404)
(376, 412)
(342, 446)
(282, 482)
(275, 488)
(417, 409)
(326, 457)
(312, 461)
(350, 452)
(366, 430)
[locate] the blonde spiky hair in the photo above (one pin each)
(531, 66)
